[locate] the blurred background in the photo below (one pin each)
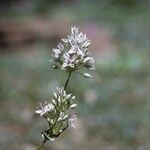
(113, 107)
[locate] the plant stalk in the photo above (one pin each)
(67, 81)
(42, 144)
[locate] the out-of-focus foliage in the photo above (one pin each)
(113, 107)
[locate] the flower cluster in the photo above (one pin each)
(57, 113)
(72, 54)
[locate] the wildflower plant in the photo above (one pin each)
(71, 56)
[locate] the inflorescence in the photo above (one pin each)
(57, 113)
(71, 55)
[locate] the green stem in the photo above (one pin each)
(42, 144)
(67, 81)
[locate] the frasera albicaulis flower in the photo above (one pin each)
(72, 53)
(57, 113)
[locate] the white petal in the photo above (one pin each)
(73, 97)
(60, 46)
(73, 105)
(86, 75)
(56, 51)
(55, 95)
(65, 40)
(38, 111)
(68, 96)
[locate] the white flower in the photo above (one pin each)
(56, 53)
(73, 53)
(63, 100)
(45, 109)
(62, 116)
(73, 121)
(89, 63)
(57, 113)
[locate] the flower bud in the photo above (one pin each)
(86, 75)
